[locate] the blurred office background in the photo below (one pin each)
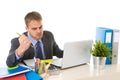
(69, 20)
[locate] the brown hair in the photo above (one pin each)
(32, 16)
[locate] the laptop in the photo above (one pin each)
(75, 53)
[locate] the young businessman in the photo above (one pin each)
(24, 47)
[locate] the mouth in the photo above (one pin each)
(39, 36)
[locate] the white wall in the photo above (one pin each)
(69, 20)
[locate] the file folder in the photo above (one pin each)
(31, 75)
(16, 77)
(12, 71)
(18, 73)
(105, 35)
(115, 45)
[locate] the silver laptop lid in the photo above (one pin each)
(76, 53)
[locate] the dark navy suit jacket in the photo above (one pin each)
(50, 48)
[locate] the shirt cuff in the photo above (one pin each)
(18, 57)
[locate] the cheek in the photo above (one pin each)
(32, 33)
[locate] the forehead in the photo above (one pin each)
(35, 23)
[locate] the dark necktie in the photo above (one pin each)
(38, 51)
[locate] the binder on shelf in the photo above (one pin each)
(115, 44)
(105, 35)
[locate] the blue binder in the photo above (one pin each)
(105, 35)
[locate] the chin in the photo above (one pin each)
(37, 38)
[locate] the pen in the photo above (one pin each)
(20, 35)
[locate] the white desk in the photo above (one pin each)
(87, 72)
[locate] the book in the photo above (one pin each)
(18, 77)
(11, 71)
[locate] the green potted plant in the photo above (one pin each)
(100, 52)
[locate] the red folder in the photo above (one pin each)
(16, 77)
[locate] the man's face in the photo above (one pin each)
(35, 29)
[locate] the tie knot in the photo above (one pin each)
(38, 43)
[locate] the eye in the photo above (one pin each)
(34, 28)
(40, 27)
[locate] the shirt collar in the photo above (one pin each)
(33, 41)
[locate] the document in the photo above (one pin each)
(7, 72)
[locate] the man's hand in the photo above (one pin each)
(24, 44)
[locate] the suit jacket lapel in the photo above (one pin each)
(44, 46)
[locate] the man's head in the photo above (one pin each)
(33, 21)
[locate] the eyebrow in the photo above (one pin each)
(38, 27)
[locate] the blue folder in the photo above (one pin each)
(11, 71)
(31, 75)
(105, 35)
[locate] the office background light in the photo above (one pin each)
(69, 20)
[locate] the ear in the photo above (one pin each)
(26, 28)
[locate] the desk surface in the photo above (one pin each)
(87, 72)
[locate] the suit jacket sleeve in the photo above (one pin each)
(12, 60)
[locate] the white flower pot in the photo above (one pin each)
(99, 62)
